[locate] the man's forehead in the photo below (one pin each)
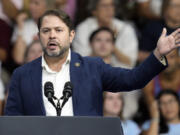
(51, 20)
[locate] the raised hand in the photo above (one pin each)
(166, 44)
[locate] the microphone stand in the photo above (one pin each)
(58, 107)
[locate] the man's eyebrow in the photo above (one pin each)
(52, 27)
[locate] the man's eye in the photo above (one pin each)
(59, 30)
(45, 31)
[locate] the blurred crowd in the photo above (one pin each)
(123, 33)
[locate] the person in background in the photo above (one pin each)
(26, 29)
(33, 51)
(170, 20)
(8, 12)
(113, 107)
(165, 115)
(103, 12)
(102, 43)
(168, 79)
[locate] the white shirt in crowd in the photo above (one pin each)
(58, 79)
(29, 32)
(126, 40)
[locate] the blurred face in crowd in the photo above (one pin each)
(102, 44)
(104, 11)
(172, 58)
(55, 36)
(112, 104)
(34, 51)
(169, 107)
(37, 8)
(173, 11)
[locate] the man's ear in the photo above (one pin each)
(72, 35)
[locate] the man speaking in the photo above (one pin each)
(40, 88)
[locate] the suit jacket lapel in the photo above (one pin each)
(75, 71)
(36, 78)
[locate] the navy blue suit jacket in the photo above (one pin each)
(89, 80)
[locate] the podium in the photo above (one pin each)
(42, 125)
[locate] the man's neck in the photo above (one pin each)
(55, 63)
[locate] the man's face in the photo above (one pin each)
(102, 44)
(105, 11)
(173, 11)
(55, 36)
(37, 8)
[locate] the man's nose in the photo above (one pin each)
(52, 34)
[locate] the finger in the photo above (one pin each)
(177, 44)
(177, 36)
(175, 32)
(177, 40)
(164, 32)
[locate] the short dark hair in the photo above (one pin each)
(60, 14)
(91, 38)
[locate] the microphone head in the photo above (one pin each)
(68, 89)
(48, 90)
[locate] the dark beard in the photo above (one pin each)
(60, 54)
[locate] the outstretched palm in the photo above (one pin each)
(168, 43)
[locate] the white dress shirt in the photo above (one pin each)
(58, 79)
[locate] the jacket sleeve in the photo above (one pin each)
(14, 102)
(118, 79)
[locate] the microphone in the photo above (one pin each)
(49, 90)
(67, 92)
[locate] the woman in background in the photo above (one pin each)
(165, 115)
(113, 107)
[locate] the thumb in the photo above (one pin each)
(164, 32)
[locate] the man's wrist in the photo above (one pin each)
(160, 57)
(157, 54)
